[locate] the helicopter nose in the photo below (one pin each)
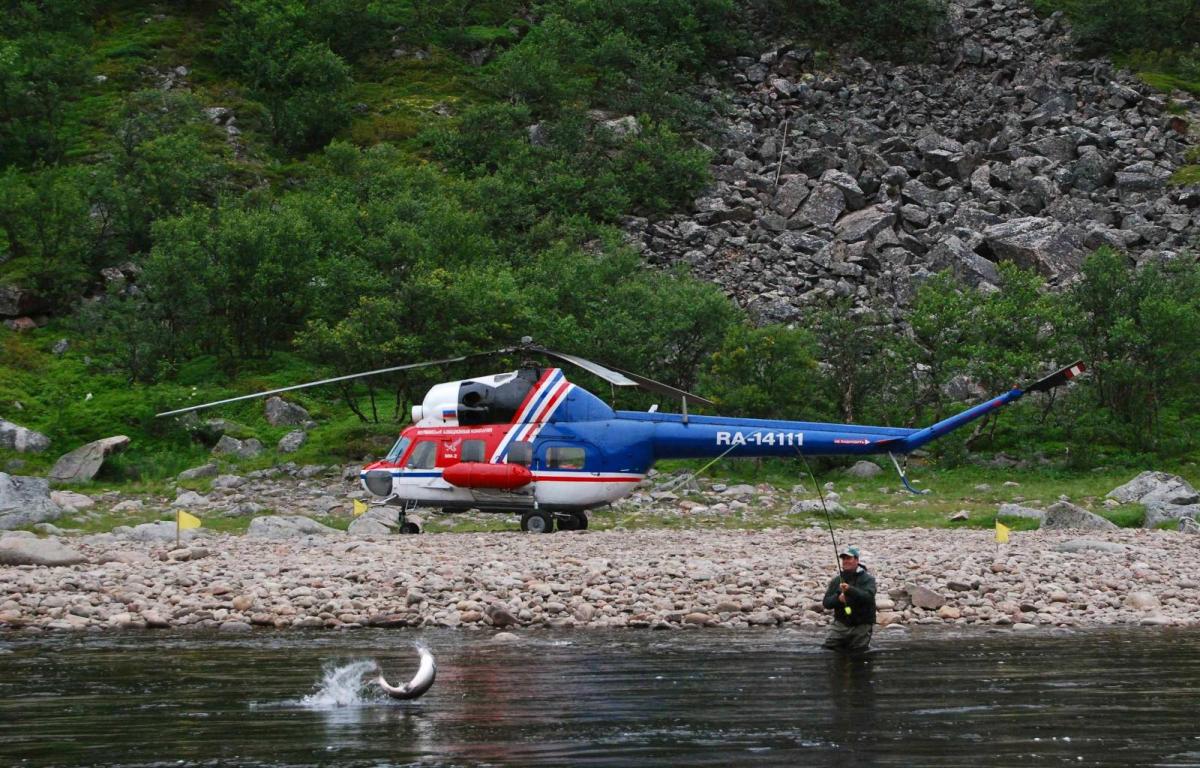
(379, 482)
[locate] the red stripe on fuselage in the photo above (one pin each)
(531, 394)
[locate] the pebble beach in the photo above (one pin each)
(649, 579)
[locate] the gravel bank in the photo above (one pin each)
(636, 579)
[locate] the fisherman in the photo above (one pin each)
(851, 597)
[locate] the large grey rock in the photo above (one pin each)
(69, 500)
(923, 597)
(963, 262)
(864, 470)
(865, 224)
(195, 473)
(82, 464)
(292, 441)
(242, 449)
(790, 196)
(809, 506)
(1066, 516)
(1155, 488)
(375, 521)
(1158, 514)
(14, 437)
(1016, 510)
(15, 301)
(1044, 245)
(823, 206)
(288, 526)
(280, 413)
(24, 551)
(25, 501)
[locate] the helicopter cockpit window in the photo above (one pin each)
(564, 457)
(398, 449)
(423, 456)
(472, 450)
(520, 452)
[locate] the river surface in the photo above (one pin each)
(597, 698)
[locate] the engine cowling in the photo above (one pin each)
(477, 474)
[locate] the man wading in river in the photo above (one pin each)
(851, 597)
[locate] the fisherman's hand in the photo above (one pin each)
(841, 598)
(843, 586)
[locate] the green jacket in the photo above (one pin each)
(860, 598)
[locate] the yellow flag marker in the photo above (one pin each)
(1001, 533)
(183, 522)
(186, 521)
(359, 507)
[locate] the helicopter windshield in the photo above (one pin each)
(398, 449)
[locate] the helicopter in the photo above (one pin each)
(530, 442)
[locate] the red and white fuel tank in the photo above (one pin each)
(477, 474)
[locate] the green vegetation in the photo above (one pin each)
(279, 190)
(1160, 39)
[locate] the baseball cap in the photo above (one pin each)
(849, 552)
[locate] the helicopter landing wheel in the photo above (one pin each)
(536, 521)
(572, 521)
(410, 528)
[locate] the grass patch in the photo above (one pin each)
(1187, 175)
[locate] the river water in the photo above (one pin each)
(596, 698)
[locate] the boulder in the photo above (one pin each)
(280, 413)
(288, 526)
(291, 442)
(1155, 488)
(14, 437)
(1189, 526)
(1045, 245)
(810, 506)
(865, 224)
(864, 470)
(965, 264)
(82, 464)
(1016, 510)
(69, 500)
(1066, 516)
(25, 551)
(1156, 515)
(195, 473)
(923, 597)
(790, 196)
(376, 521)
(823, 206)
(242, 449)
(25, 501)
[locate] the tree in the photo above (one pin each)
(1140, 328)
(301, 82)
(767, 373)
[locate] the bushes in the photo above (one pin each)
(897, 28)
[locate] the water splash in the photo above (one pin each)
(343, 686)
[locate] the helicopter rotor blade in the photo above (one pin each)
(609, 375)
(623, 378)
(335, 379)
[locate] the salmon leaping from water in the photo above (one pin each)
(421, 682)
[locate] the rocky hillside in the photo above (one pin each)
(861, 179)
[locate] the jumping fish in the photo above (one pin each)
(420, 683)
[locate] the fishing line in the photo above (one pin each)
(837, 556)
(828, 519)
(680, 481)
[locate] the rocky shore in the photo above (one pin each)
(635, 579)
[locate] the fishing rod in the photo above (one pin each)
(837, 556)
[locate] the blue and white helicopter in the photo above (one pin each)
(532, 443)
